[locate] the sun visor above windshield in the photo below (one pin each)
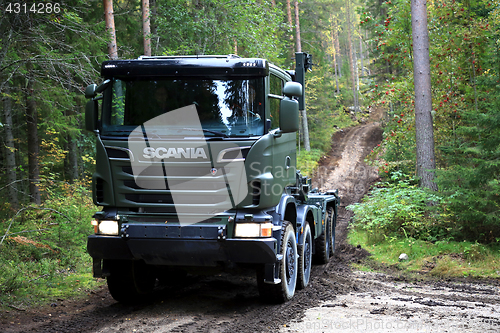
(186, 67)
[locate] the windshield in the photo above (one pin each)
(224, 107)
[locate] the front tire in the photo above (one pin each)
(130, 281)
(288, 267)
(305, 259)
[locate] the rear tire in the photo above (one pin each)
(305, 259)
(130, 281)
(324, 242)
(332, 226)
(288, 267)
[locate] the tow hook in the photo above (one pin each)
(221, 235)
(124, 232)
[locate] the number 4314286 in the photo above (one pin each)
(35, 8)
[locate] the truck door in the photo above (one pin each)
(284, 146)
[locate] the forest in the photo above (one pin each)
(363, 59)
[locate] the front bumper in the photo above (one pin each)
(183, 252)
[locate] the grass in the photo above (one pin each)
(34, 284)
(440, 259)
(43, 254)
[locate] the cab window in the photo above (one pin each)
(276, 88)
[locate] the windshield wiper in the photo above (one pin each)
(123, 132)
(207, 131)
(116, 132)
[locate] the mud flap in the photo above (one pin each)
(97, 267)
(271, 272)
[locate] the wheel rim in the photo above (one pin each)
(290, 261)
(332, 238)
(307, 257)
(332, 234)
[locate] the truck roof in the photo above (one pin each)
(186, 66)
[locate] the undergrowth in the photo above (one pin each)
(307, 161)
(43, 249)
(398, 217)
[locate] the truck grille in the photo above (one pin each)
(153, 193)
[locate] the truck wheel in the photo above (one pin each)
(130, 281)
(324, 241)
(305, 259)
(288, 267)
(332, 224)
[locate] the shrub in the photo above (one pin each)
(43, 248)
(399, 207)
(307, 161)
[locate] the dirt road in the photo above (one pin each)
(338, 299)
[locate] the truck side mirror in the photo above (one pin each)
(93, 89)
(292, 89)
(289, 108)
(92, 106)
(289, 115)
(90, 91)
(91, 115)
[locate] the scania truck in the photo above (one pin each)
(196, 170)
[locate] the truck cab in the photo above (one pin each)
(196, 169)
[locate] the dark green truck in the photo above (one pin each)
(196, 170)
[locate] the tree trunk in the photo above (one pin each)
(337, 49)
(298, 43)
(72, 159)
(154, 31)
(10, 156)
(426, 163)
(146, 27)
(361, 54)
(110, 28)
(472, 60)
(351, 61)
(356, 73)
(33, 149)
(290, 25)
(307, 145)
(335, 64)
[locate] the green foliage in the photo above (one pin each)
(324, 113)
(43, 254)
(471, 180)
(398, 208)
(465, 71)
(217, 27)
(307, 161)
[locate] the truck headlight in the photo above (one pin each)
(108, 227)
(253, 230)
